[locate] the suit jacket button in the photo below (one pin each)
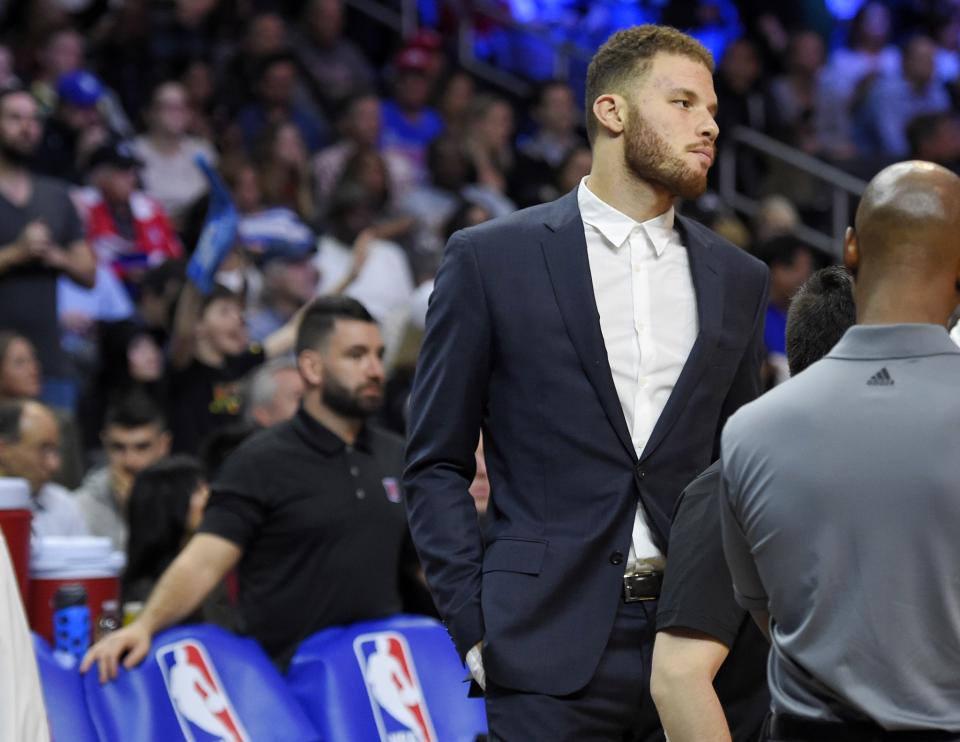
(616, 557)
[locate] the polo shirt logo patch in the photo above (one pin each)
(881, 378)
(392, 487)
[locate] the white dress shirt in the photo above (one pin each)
(648, 318)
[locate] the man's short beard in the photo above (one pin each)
(15, 156)
(648, 158)
(345, 403)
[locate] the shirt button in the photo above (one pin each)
(616, 558)
(355, 471)
(361, 494)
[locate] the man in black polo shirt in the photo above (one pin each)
(309, 509)
(709, 678)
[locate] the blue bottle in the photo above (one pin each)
(71, 621)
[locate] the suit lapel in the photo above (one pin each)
(565, 253)
(705, 271)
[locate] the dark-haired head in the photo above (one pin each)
(162, 513)
(340, 359)
(319, 318)
(820, 313)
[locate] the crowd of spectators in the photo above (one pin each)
(350, 155)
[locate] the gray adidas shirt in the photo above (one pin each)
(841, 516)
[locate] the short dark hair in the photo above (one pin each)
(821, 312)
(134, 410)
(219, 292)
(319, 317)
(627, 55)
(781, 250)
(11, 411)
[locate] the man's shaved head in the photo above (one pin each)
(907, 241)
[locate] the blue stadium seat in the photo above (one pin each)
(199, 683)
(63, 697)
(392, 679)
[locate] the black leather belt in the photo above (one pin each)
(793, 729)
(642, 585)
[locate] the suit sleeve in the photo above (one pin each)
(746, 384)
(446, 409)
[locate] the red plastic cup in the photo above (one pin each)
(15, 519)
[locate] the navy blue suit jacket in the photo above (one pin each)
(513, 346)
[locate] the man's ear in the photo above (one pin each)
(851, 251)
(609, 110)
(311, 367)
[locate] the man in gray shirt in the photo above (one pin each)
(840, 507)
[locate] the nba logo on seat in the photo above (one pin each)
(202, 705)
(393, 687)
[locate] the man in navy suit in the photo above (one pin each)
(599, 342)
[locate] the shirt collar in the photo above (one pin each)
(615, 226)
(315, 434)
(879, 342)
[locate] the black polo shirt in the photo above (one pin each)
(322, 528)
(698, 594)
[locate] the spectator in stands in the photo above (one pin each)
(130, 363)
(282, 544)
(454, 101)
(166, 506)
(207, 114)
(21, 378)
(272, 393)
(41, 237)
(62, 52)
(128, 230)
(894, 100)
(867, 53)
(490, 143)
(851, 70)
(209, 354)
(284, 169)
(74, 130)
(352, 261)
(409, 123)
(541, 155)
(554, 111)
(935, 138)
(798, 94)
(158, 297)
(334, 67)
(277, 80)
(167, 151)
(791, 263)
(19, 369)
(30, 449)
(265, 34)
(360, 125)
(775, 216)
(134, 436)
(452, 178)
(290, 280)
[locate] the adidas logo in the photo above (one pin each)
(881, 378)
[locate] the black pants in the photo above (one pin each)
(615, 706)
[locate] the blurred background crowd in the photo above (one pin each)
(354, 140)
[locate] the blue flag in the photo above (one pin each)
(218, 234)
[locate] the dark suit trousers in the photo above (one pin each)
(615, 706)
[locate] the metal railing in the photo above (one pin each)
(842, 185)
